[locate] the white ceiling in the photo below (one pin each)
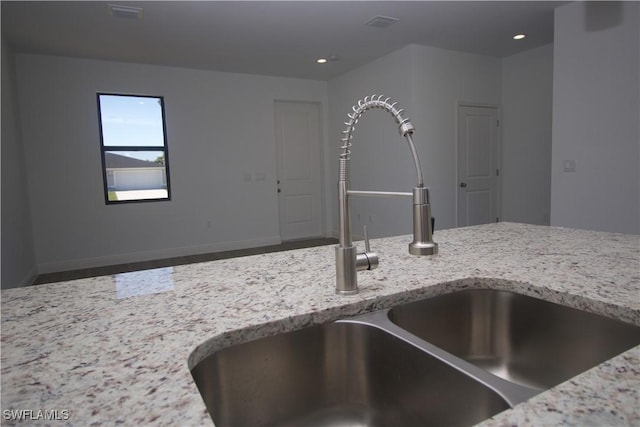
(281, 38)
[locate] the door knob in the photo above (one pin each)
(463, 184)
(279, 190)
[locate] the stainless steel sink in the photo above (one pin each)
(338, 374)
(522, 339)
(454, 359)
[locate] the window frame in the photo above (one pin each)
(114, 148)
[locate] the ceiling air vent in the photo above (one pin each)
(128, 12)
(381, 21)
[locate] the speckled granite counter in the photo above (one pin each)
(116, 349)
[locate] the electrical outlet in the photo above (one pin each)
(569, 165)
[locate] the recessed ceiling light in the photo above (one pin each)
(519, 36)
(330, 58)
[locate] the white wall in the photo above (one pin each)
(527, 101)
(18, 258)
(220, 126)
(427, 82)
(595, 117)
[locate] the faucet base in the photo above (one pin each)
(346, 278)
(353, 292)
(420, 248)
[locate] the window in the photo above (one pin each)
(133, 143)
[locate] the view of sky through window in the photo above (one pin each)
(132, 121)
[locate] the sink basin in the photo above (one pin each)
(338, 374)
(522, 339)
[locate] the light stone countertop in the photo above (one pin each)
(117, 349)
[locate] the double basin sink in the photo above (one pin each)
(453, 360)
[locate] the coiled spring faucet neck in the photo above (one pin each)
(404, 126)
(348, 260)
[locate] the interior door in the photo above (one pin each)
(298, 141)
(477, 145)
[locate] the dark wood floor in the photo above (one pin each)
(167, 262)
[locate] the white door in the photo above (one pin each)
(478, 171)
(299, 170)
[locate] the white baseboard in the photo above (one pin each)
(75, 264)
(28, 279)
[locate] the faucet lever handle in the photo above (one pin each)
(367, 248)
(366, 260)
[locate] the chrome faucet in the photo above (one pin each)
(348, 260)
